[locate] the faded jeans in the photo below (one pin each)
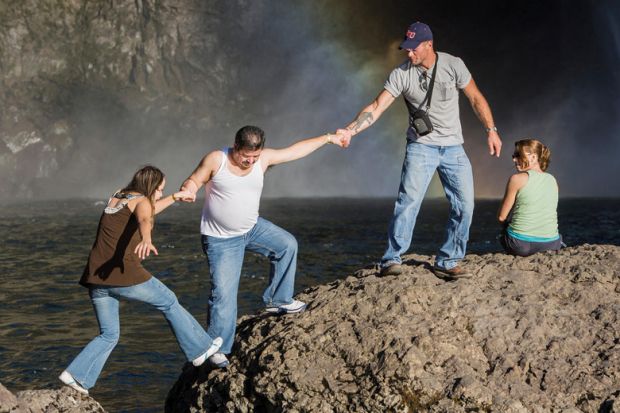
(192, 338)
(225, 257)
(455, 174)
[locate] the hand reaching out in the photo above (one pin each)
(343, 137)
(185, 196)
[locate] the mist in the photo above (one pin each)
(300, 69)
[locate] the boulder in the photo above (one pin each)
(64, 400)
(79, 79)
(535, 334)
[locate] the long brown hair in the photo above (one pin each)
(145, 181)
(535, 147)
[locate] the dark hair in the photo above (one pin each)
(535, 147)
(145, 181)
(250, 137)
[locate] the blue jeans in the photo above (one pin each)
(192, 338)
(455, 173)
(225, 257)
(522, 248)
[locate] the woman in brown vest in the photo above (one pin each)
(114, 271)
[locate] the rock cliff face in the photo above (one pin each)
(75, 74)
(537, 334)
(64, 400)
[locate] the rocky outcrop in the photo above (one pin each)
(50, 401)
(76, 76)
(536, 334)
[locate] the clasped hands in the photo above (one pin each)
(342, 138)
(184, 195)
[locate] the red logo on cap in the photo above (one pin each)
(410, 34)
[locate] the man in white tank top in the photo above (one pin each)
(230, 225)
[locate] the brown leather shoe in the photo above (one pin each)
(393, 269)
(451, 274)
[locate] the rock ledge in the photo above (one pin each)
(536, 334)
(64, 400)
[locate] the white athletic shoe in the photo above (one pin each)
(295, 307)
(68, 380)
(219, 360)
(217, 343)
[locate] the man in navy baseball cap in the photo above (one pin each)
(440, 149)
(417, 33)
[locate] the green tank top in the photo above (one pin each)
(535, 210)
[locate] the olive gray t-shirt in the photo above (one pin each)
(410, 80)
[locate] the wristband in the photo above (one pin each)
(329, 138)
(493, 128)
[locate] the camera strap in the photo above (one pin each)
(429, 92)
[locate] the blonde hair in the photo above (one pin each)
(535, 147)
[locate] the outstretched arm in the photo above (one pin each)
(483, 111)
(516, 182)
(368, 115)
(201, 175)
(298, 150)
(165, 202)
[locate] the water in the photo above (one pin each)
(46, 317)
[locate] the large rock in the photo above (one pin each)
(79, 77)
(536, 334)
(64, 400)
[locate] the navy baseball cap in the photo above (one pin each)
(417, 33)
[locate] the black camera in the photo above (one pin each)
(421, 122)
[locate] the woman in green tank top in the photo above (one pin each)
(531, 201)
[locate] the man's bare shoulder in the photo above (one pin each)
(213, 157)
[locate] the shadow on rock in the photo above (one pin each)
(535, 334)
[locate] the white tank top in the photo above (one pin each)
(231, 204)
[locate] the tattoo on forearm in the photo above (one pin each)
(363, 118)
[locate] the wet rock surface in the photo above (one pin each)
(49, 401)
(535, 334)
(78, 76)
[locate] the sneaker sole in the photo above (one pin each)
(278, 310)
(77, 389)
(199, 361)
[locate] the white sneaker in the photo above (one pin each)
(68, 380)
(217, 343)
(295, 307)
(219, 360)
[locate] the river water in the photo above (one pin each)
(46, 317)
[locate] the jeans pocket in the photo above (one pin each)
(462, 160)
